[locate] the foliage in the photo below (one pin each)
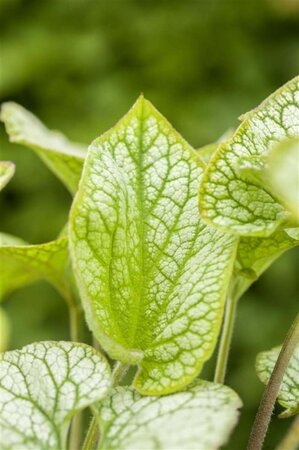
(289, 389)
(152, 273)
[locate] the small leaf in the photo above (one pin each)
(63, 157)
(152, 276)
(283, 174)
(200, 417)
(23, 264)
(255, 255)
(7, 170)
(42, 386)
(288, 395)
(229, 199)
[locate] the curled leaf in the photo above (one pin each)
(63, 157)
(230, 198)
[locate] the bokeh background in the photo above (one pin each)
(80, 64)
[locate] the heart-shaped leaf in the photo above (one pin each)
(23, 264)
(63, 157)
(7, 169)
(42, 386)
(231, 199)
(200, 417)
(152, 276)
(288, 395)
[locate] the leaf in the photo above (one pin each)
(42, 386)
(23, 264)
(288, 395)
(283, 174)
(201, 417)
(4, 330)
(151, 275)
(63, 157)
(256, 254)
(7, 170)
(206, 152)
(228, 199)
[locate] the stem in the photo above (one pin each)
(263, 417)
(92, 436)
(75, 316)
(75, 433)
(119, 372)
(291, 439)
(75, 323)
(226, 337)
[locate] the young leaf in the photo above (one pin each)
(152, 276)
(228, 198)
(283, 174)
(289, 390)
(23, 264)
(255, 255)
(200, 417)
(42, 386)
(63, 157)
(7, 169)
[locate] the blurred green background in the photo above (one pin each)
(80, 64)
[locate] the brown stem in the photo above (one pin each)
(263, 417)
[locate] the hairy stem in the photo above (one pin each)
(263, 417)
(226, 337)
(92, 436)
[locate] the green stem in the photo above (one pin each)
(92, 436)
(119, 372)
(263, 417)
(226, 337)
(291, 439)
(75, 318)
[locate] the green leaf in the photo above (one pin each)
(255, 255)
(7, 170)
(42, 386)
(201, 417)
(206, 152)
(151, 275)
(288, 395)
(283, 174)
(63, 157)
(23, 264)
(228, 198)
(4, 330)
